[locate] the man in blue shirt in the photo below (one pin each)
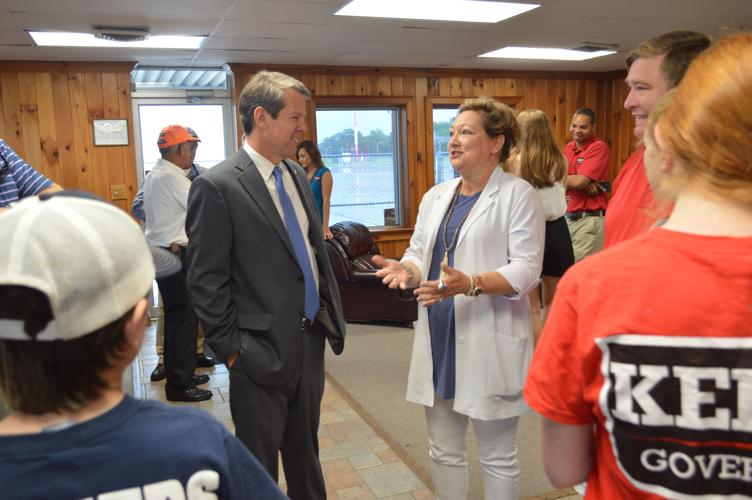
(18, 179)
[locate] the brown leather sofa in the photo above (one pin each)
(364, 297)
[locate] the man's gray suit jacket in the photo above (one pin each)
(243, 277)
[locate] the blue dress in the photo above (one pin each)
(318, 194)
(441, 314)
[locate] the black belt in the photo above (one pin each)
(585, 213)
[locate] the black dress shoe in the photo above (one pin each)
(191, 395)
(159, 373)
(205, 361)
(197, 379)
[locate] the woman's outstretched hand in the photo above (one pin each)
(392, 273)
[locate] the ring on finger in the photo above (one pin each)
(442, 285)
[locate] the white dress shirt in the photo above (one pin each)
(266, 169)
(165, 204)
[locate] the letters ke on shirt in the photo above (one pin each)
(678, 411)
(201, 486)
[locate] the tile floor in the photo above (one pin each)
(357, 462)
(357, 458)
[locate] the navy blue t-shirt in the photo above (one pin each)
(441, 315)
(139, 449)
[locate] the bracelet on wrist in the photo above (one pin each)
(409, 271)
(471, 286)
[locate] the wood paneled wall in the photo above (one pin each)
(557, 94)
(46, 113)
(616, 124)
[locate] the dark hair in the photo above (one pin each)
(679, 48)
(587, 112)
(313, 152)
(165, 152)
(498, 120)
(38, 377)
(267, 90)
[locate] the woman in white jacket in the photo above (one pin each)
(475, 253)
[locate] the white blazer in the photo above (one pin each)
(504, 232)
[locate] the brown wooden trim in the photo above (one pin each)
(242, 68)
(360, 101)
(509, 100)
(391, 233)
(65, 67)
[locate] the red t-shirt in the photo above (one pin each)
(651, 342)
(591, 160)
(632, 209)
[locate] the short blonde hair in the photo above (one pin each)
(498, 120)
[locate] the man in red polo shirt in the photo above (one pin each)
(589, 159)
(655, 67)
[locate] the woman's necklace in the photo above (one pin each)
(448, 247)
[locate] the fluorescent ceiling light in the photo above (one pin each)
(470, 11)
(63, 39)
(545, 53)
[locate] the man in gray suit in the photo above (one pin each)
(262, 284)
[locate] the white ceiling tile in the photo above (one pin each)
(307, 32)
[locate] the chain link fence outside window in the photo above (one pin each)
(364, 187)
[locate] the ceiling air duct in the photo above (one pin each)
(121, 34)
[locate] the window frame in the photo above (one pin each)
(407, 164)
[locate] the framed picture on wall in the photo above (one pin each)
(110, 132)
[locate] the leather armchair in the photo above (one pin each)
(364, 297)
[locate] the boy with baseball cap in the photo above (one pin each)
(73, 276)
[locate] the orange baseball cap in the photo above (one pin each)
(176, 134)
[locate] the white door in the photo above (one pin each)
(211, 119)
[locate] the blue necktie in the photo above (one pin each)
(298, 245)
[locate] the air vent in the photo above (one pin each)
(121, 34)
(595, 47)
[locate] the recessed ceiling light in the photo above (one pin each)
(545, 53)
(470, 11)
(64, 39)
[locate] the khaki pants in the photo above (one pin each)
(587, 236)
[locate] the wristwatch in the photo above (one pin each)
(476, 286)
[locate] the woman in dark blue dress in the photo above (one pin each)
(320, 179)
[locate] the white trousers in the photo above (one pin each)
(497, 450)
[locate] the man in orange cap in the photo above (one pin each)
(165, 203)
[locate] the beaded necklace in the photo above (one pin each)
(450, 246)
